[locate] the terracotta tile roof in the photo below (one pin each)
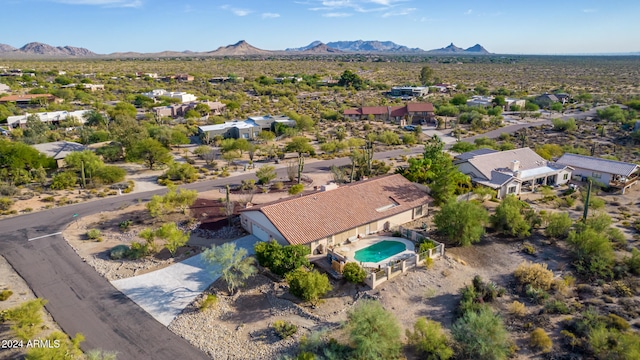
(318, 215)
(420, 107)
(398, 111)
(352, 112)
(374, 110)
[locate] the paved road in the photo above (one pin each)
(80, 300)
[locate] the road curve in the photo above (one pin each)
(80, 300)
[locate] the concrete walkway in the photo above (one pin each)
(166, 292)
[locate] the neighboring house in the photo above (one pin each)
(487, 101)
(4, 88)
(177, 110)
(408, 92)
(511, 171)
(333, 215)
(28, 99)
(90, 87)
(545, 100)
(615, 174)
(417, 113)
(180, 95)
(59, 150)
(247, 129)
(52, 117)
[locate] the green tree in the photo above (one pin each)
(508, 217)
(35, 131)
(266, 136)
(232, 262)
(16, 159)
(301, 145)
(173, 236)
(429, 339)
(592, 251)
(374, 332)
(559, 225)
(181, 172)
(463, 147)
(426, 75)
(353, 273)
(308, 285)
(349, 78)
(122, 109)
(481, 335)
(459, 99)
(109, 174)
(462, 222)
(281, 259)
(448, 110)
(265, 174)
(64, 180)
(151, 152)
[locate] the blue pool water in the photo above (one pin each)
(380, 251)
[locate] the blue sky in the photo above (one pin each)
(506, 27)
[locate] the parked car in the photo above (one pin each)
(410, 128)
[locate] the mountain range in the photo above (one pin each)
(241, 48)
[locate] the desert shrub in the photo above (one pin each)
(5, 203)
(93, 234)
(428, 262)
(559, 225)
(278, 185)
(568, 125)
(535, 294)
(461, 222)
(535, 274)
(528, 248)
(208, 302)
(509, 219)
(25, 318)
(308, 285)
(9, 190)
(137, 250)
(125, 224)
(475, 295)
(621, 289)
(633, 262)
(557, 307)
(281, 259)
(353, 273)
(5, 294)
(110, 174)
(429, 339)
(284, 329)
(481, 335)
(593, 253)
(517, 308)
(67, 348)
(373, 332)
(425, 245)
(181, 172)
(540, 340)
(118, 252)
(64, 180)
(616, 322)
(609, 343)
(296, 189)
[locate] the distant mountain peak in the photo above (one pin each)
(240, 48)
(303, 48)
(452, 49)
(478, 49)
(372, 46)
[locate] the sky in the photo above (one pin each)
(504, 27)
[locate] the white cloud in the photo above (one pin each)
(270, 15)
(399, 12)
(589, 11)
(468, 12)
(104, 3)
(336, 15)
(236, 11)
(361, 6)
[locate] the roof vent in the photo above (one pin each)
(328, 187)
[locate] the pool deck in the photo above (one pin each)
(349, 250)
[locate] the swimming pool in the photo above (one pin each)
(380, 251)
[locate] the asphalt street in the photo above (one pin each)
(81, 301)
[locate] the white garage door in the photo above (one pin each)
(259, 233)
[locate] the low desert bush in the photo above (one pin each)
(208, 302)
(535, 274)
(25, 318)
(118, 252)
(517, 308)
(429, 339)
(284, 329)
(5, 294)
(93, 234)
(557, 307)
(353, 273)
(5, 203)
(540, 340)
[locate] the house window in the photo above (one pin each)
(596, 175)
(418, 211)
(565, 177)
(511, 190)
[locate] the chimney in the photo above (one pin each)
(515, 166)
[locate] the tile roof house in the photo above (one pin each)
(335, 214)
(615, 174)
(512, 171)
(417, 113)
(247, 129)
(26, 99)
